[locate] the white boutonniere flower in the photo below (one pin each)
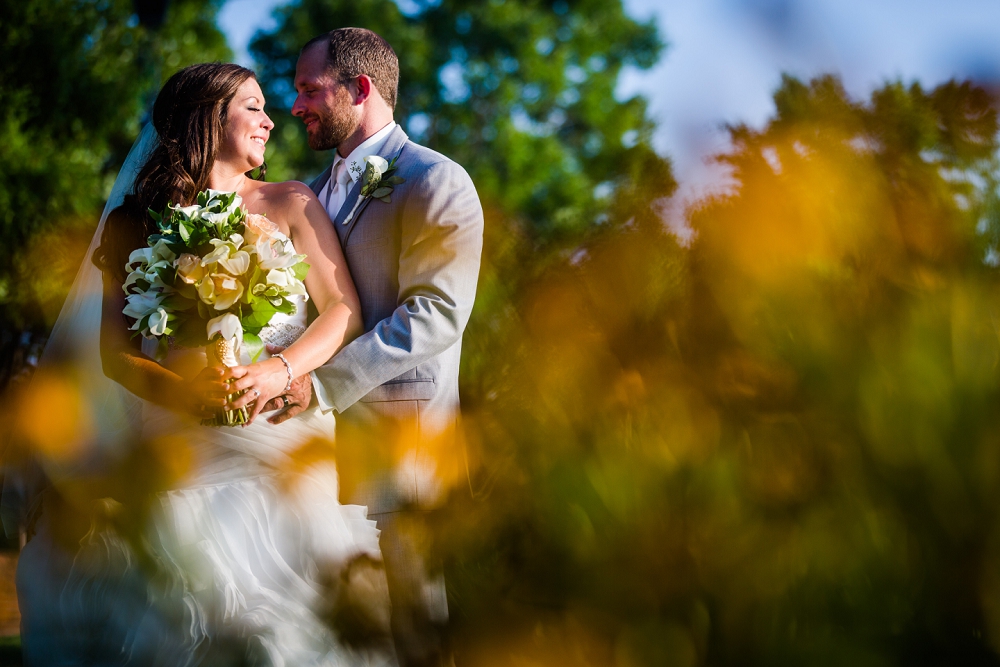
(377, 180)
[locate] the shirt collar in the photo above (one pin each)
(370, 146)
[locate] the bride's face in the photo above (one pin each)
(247, 129)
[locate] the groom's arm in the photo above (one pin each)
(440, 250)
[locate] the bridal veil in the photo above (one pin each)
(104, 416)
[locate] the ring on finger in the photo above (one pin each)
(256, 394)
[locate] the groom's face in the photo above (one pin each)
(324, 103)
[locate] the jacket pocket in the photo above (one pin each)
(421, 389)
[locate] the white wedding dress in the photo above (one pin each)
(241, 553)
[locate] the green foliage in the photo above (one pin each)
(75, 78)
(191, 229)
(521, 93)
(776, 447)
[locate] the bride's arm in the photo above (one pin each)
(330, 287)
(124, 363)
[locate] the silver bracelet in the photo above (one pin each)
(288, 367)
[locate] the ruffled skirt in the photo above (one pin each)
(240, 563)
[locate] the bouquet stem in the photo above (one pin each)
(225, 353)
(229, 417)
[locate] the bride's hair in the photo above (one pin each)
(189, 116)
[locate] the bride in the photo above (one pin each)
(246, 544)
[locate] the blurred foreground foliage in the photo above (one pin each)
(777, 446)
(76, 77)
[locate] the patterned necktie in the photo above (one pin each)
(336, 194)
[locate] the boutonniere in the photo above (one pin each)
(377, 181)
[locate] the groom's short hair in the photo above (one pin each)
(352, 52)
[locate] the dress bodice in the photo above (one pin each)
(284, 329)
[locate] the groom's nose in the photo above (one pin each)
(298, 108)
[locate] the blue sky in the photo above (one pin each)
(725, 58)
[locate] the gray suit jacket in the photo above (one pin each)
(415, 263)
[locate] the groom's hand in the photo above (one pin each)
(293, 401)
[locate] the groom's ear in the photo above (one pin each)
(363, 87)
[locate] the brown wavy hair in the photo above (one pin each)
(189, 116)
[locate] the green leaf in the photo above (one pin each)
(396, 180)
(262, 306)
(257, 320)
(189, 292)
(383, 191)
(166, 274)
(162, 348)
(386, 199)
(178, 302)
(253, 344)
(285, 306)
(300, 270)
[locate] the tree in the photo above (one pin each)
(76, 78)
(521, 93)
(847, 338)
(774, 447)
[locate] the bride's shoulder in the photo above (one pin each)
(285, 191)
(284, 197)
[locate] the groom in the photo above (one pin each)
(415, 262)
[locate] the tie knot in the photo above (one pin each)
(341, 175)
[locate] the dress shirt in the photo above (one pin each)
(334, 193)
(333, 196)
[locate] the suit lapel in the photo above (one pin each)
(393, 143)
(317, 185)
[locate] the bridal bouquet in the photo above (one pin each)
(214, 275)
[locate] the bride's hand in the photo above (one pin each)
(204, 394)
(263, 381)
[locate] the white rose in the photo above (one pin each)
(189, 268)
(158, 322)
(161, 252)
(222, 250)
(137, 306)
(273, 254)
(226, 290)
(277, 277)
(379, 164)
(237, 264)
(140, 257)
(189, 212)
(259, 227)
(215, 218)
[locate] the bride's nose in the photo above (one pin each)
(267, 123)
